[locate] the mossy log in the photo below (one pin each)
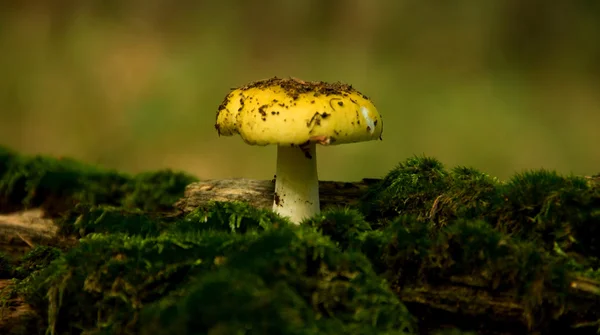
(20, 231)
(452, 300)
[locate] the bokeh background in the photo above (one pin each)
(500, 85)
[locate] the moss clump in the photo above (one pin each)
(552, 210)
(542, 206)
(423, 188)
(409, 189)
(229, 216)
(294, 281)
(36, 259)
(114, 275)
(6, 156)
(83, 220)
(470, 196)
(239, 300)
(57, 185)
(475, 249)
(399, 250)
(410, 253)
(344, 226)
(155, 191)
(6, 266)
(117, 276)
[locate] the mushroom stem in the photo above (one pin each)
(296, 183)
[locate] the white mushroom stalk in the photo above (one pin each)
(296, 183)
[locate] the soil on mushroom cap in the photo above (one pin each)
(294, 87)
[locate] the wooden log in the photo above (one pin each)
(23, 230)
(259, 193)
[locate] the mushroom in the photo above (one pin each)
(296, 115)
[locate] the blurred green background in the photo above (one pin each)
(500, 85)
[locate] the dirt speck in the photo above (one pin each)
(278, 200)
(263, 113)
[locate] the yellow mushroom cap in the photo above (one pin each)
(295, 112)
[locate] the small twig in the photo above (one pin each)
(26, 240)
(586, 285)
(434, 207)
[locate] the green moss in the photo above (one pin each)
(116, 276)
(84, 219)
(470, 196)
(6, 156)
(475, 249)
(541, 206)
(36, 259)
(297, 275)
(422, 187)
(409, 189)
(344, 226)
(6, 266)
(399, 250)
(229, 268)
(411, 252)
(155, 191)
(239, 302)
(550, 209)
(59, 184)
(229, 216)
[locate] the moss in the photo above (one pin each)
(422, 187)
(300, 284)
(57, 185)
(155, 191)
(229, 216)
(139, 271)
(399, 250)
(471, 195)
(83, 220)
(117, 275)
(550, 209)
(344, 226)
(36, 259)
(6, 156)
(409, 189)
(6, 266)
(239, 301)
(411, 252)
(475, 249)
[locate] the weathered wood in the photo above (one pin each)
(21, 231)
(259, 193)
